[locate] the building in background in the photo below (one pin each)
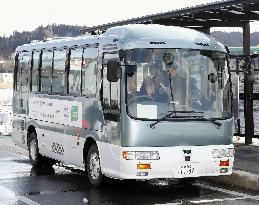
(6, 78)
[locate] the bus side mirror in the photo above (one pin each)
(113, 71)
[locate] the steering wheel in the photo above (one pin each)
(140, 98)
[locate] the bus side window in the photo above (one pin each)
(115, 95)
(35, 72)
(17, 72)
(46, 70)
(106, 90)
(74, 77)
(58, 74)
(111, 90)
(89, 74)
(25, 62)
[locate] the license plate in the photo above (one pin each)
(186, 169)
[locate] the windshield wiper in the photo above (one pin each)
(152, 125)
(186, 111)
(213, 121)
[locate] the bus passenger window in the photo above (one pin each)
(17, 72)
(74, 77)
(58, 75)
(25, 67)
(46, 71)
(35, 71)
(89, 79)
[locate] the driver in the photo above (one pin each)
(151, 91)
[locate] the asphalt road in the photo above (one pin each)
(20, 184)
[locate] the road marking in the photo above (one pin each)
(26, 200)
(216, 200)
(235, 193)
(239, 196)
(7, 194)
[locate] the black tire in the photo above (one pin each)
(36, 159)
(93, 167)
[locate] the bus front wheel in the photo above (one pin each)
(36, 159)
(93, 168)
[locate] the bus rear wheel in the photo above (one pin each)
(93, 167)
(36, 159)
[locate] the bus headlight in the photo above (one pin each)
(140, 155)
(219, 153)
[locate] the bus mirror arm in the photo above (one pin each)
(227, 49)
(122, 54)
(131, 69)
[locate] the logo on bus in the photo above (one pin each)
(74, 113)
(202, 44)
(157, 42)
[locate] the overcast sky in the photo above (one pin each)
(26, 15)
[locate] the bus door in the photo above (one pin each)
(20, 98)
(111, 109)
(25, 82)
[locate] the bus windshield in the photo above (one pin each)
(188, 83)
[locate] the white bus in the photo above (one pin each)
(136, 102)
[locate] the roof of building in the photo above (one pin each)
(230, 13)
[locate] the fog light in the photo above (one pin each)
(224, 163)
(223, 170)
(142, 174)
(143, 166)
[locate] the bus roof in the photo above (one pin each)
(137, 36)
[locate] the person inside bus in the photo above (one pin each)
(132, 87)
(150, 90)
(156, 74)
(179, 83)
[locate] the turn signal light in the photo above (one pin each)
(224, 163)
(143, 166)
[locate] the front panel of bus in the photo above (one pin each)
(177, 110)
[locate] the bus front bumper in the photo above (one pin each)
(177, 162)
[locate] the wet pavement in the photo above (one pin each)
(20, 184)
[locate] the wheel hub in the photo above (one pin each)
(33, 149)
(94, 166)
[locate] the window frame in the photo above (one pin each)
(110, 114)
(64, 92)
(51, 71)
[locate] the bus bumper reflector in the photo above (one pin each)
(143, 166)
(224, 163)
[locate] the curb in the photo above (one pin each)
(240, 179)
